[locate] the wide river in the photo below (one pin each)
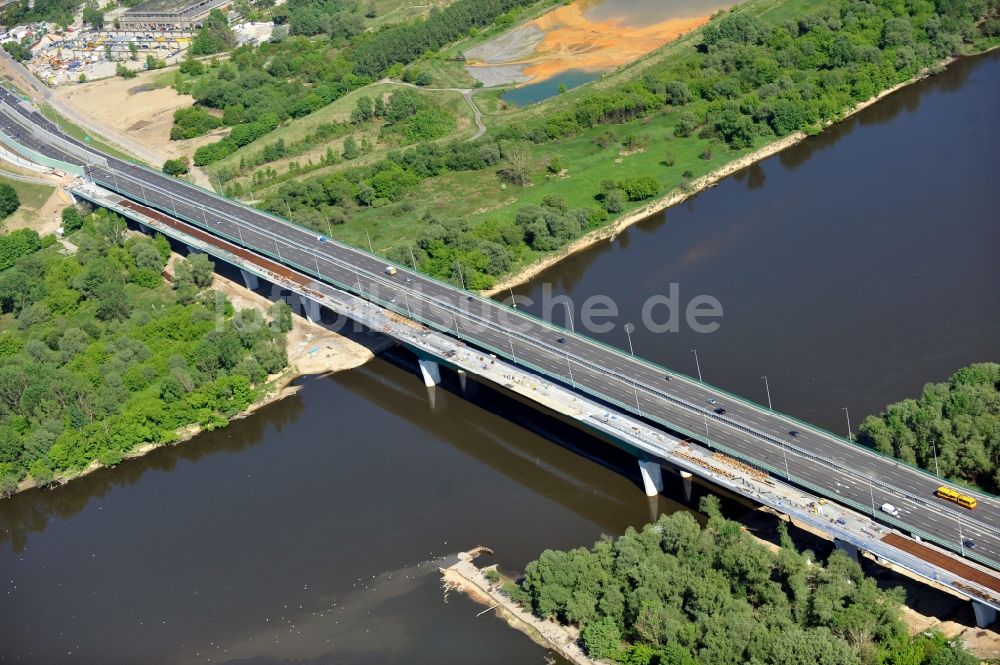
(851, 269)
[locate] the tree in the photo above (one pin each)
(9, 202)
(350, 148)
(602, 639)
(93, 16)
(72, 220)
(176, 167)
(214, 35)
(281, 316)
(614, 201)
(202, 269)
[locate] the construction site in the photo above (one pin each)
(158, 29)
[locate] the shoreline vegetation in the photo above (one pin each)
(549, 178)
(680, 592)
(695, 187)
(103, 360)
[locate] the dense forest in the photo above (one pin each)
(99, 355)
(748, 81)
(675, 593)
(952, 430)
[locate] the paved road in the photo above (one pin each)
(817, 460)
(27, 81)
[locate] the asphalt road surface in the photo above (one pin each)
(817, 460)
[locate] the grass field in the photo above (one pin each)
(33, 198)
(81, 134)
(340, 111)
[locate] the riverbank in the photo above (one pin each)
(696, 186)
(312, 351)
(465, 577)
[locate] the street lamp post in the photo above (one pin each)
(768, 389)
(569, 316)
(370, 248)
(934, 448)
(628, 331)
(871, 490)
(696, 363)
(850, 434)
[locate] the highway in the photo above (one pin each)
(814, 459)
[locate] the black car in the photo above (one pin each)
(720, 411)
(794, 432)
(469, 298)
(561, 340)
(969, 542)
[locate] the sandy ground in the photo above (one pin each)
(129, 107)
(465, 577)
(45, 219)
(676, 196)
(564, 39)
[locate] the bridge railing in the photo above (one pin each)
(649, 364)
(39, 158)
(406, 312)
(567, 380)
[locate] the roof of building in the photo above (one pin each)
(169, 6)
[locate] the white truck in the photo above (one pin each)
(890, 509)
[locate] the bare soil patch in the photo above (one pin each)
(135, 108)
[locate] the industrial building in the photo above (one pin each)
(166, 15)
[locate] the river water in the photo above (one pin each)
(852, 269)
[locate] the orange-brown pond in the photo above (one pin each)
(587, 35)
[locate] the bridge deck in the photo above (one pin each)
(942, 560)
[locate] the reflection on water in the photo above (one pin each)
(641, 13)
(308, 532)
(853, 268)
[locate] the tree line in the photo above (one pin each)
(99, 355)
(750, 79)
(675, 593)
(953, 429)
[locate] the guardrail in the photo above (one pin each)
(447, 307)
(872, 545)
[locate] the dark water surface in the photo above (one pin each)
(536, 92)
(852, 269)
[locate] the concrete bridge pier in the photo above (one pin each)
(430, 371)
(250, 280)
(652, 477)
(985, 615)
(194, 250)
(462, 378)
(311, 309)
(686, 479)
(847, 548)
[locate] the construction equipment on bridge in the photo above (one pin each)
(753, 472)
(955, 497)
